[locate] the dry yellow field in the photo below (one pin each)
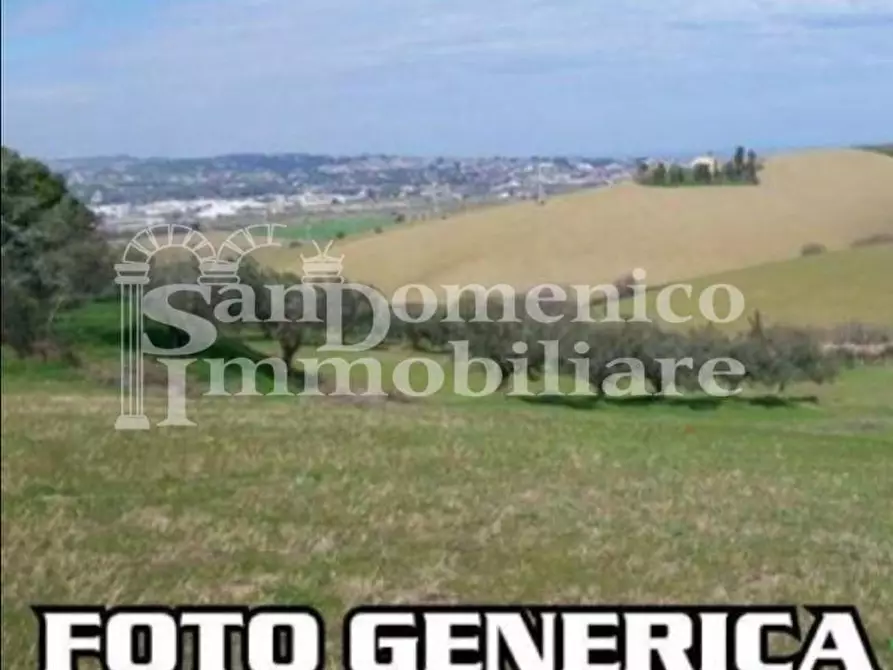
(827, 197)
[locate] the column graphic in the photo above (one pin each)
(131, 278)
(217, 268)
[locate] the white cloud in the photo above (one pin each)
(218, 66)
(249, 38)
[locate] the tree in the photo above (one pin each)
(659, 176)
(730, 172)
(702, 173)
(738, 161)
(750, 167)
(676, 174)
(53, 254)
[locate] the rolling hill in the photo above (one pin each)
(827, 197)
(850, 286)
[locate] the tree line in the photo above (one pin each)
(54, 258)
(742, 168)
(773, 356)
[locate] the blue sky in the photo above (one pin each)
(453, 77)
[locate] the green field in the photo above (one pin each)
(819, 291)
(328, 229)
(441, 500)
(764, 498)
(310, 502)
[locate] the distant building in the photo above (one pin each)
(709, 160)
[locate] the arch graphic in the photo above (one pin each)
(218, 267)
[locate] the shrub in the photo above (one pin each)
(340, 235)
(294, 244)
(776, 356)
(379, 230)
(873, 240)
(859, 333)
(625, 285)
(813, 249)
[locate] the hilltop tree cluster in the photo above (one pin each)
(742, 168)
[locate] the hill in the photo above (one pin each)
(882, 148)
(826, 197)
(818, 291)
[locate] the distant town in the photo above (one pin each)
(131, 192)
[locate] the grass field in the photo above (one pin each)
(441, 500)
(449, 499)
(303, 501)
(821, 291)
(325, 230)
(825, 197)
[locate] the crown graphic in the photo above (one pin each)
(322, 267)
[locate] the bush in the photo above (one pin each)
(379, 230)
(813, 249)
(777, 356)
(625, 286)
(340, 235)
(772, 357)
(873, 240)
(859, 333)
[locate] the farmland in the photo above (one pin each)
(831, 198)
(769, 497)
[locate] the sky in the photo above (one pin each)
(443, 77)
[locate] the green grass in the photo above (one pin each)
(325, 230)
(441, 500)
(299, 501)
(820, 291)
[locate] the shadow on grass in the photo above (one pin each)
(698, 403)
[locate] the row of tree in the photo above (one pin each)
(54, 257)
(742, 168)
(772, 356)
